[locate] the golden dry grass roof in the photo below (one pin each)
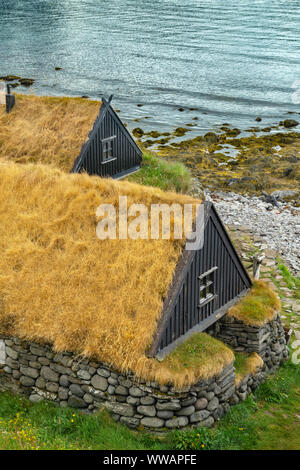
(46, 130)
(60, 284)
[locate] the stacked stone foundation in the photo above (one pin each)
(36, 371)
(268, 340)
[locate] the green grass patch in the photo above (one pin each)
(291, 281)
(257, 307)
(24, 425)
(168, 176)
(270, 420)
(199, 357)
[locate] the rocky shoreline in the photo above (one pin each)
(277, 223)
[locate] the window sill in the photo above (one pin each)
(109, 161)
(207, 300)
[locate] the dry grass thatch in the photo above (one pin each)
(46, 130)
(60, 284)
(258, 307)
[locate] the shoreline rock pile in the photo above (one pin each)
(278, 224)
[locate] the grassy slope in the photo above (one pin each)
(270, 421)
(161, 174)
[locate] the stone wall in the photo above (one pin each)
(267, 340)
(36, 371)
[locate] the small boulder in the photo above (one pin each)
(288, 123)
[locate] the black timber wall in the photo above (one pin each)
(231, 280)
(127, 154)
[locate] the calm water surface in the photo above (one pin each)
(228, 60)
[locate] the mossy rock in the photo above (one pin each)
(180, 131)
(211, 138)
(138, 132)
(288, 123)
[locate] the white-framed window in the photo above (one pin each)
(207, 286)
(107, 149)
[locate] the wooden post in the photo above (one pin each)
(257, 260)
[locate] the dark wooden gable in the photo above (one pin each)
(206, 283)
(110, 149)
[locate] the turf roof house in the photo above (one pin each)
(110, 149)
(206, 283)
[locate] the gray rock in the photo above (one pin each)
(209, 395)
(179, 422)
(52, 387)
(11, 352)
(67, 361)
(35, 365)
(40, 383)
(49, 374)
(99, 383)
(76, 390)
(130, 422)
(12, 363)
(169, 406)
(234, 399)
(88, 398)
(146, 410)
(120, 390)
(35, 398)
(27, 381)
(30, 372)
(37, 351)
(16, 374)
(76, 402)
(213, 404)
(242, 395)
(188, 401)
(111, 390)
(147, 400)
(64, 381)
(44, 361)
(230, 391)
(122, 409)
(136, 392)
(58, 357)
(186, 411)
(199, 416)
(201, 404)
(63, 393)
(112, 381)
(165, 414)
(125, 382)
(152, 422)
(218, 413)
(103, 372)
(120, 398)
(133, 401)
(83, 374)
(59, 368)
